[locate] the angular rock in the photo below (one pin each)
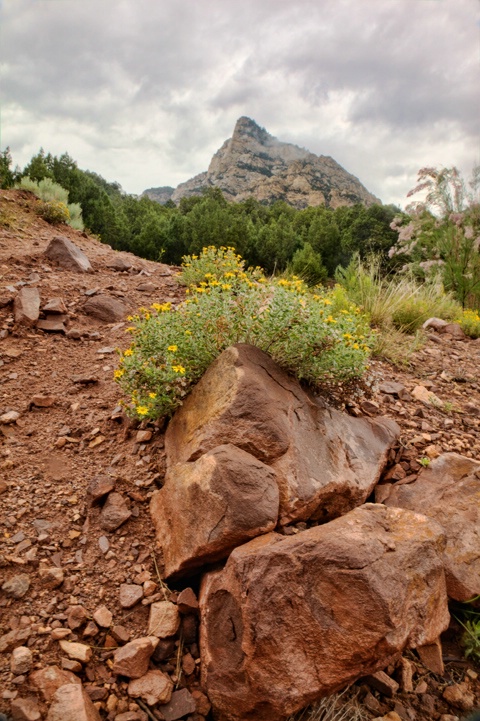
(437, 324)
(132, 659)
(420, 393)
(119, 264)
(130, 594)
(292, 619)
(154, 687)
(48, 680)
(51, 577)
(383, 683)
(239, 498)
(181, 704)
(103, 617)
(55, 305)
(76, 616)
(67, 255)
(76, 651)
(105, 308)
(43, 401)
(431, 657)
(51, 325)
(9, 417)
(448, 491)
(21, 660)
(164, 619)
(114, 513)
(26, 306)
(17, 586)
(187, 601)
(326, 461)
(99, 487)
(72, 703)
(25, 709)
(455, 330)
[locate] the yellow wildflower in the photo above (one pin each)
(226, 286)
(179, 369)
(172, 348)
(118, 373)
(152, 395)
(142, 410)
(128, 352)
(131, 329)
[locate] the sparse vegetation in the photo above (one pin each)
(54, 208)
(338, 707)
(172, 347)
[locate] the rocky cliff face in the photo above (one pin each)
(252, 163)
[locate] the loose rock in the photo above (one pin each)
(132, 659)
(130, 595)
(105, 308)
(71, 703)
(27, 306)
(164, 619)
(17, 586)
(114, 513)
(154, 687)
(21, 660)
(67, 255)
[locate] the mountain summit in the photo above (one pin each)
(253, 163)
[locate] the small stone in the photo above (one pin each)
(90, 630)
(431, 657)
(76, 651)
(114, 513)
(21, 660)
(51, 325)
(105, 308)
(187, 601)
(25, 709)
(71, 703)
(103, 544)
(422, 394)
(143, 436)
(17, 586)
(120, 634)
(76, 616)
(383, 683)
(407, 669)
(421, 688)
(74, 334)
(202, 703)
(59, 633)
(460, 696)
(73, 666)
(154, 687)
(181, 704)
(188, 664)
(55, 305)
(164, 619)
(103, 617)
(26, 306)
(164, 650)
(9, 417)
(130, 595)
(132, 659)
(147, 287)
(51, 577)
(42, 401)
(149, 588)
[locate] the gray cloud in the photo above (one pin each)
(144, 92)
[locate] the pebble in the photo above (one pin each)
(103, 617)
(130, 595)
(132, 659)
(17, 586)
(114, 513)
(164, 619)
(154, 687)
(51, 577)
(21, 660)
(76, 651)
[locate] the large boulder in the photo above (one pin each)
(208, 507)
(449, 491)
(292, 619)
(67, 255)
(326, 462)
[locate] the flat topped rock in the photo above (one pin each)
(26, 306)
(67, 255)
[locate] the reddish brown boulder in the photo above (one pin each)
(449, 492)
(326, 461)
(238, 495)
(26, 306)
(292, 619)
(71, 703)
(67, 255)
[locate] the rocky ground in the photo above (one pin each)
(76, 568)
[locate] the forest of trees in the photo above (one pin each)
(274, 237)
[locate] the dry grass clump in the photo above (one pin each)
(338, 707)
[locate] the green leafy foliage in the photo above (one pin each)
(54, 207)
(54, 212)
(470, 322)
(172, 347)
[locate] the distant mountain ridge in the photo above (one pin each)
(253, 163)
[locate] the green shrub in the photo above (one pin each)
(216, 264)
(55, 208)
(307, 263)
(53, 212)
(172, 348)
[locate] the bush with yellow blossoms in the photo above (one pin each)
(317, 336)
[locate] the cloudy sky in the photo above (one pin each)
(145, 91)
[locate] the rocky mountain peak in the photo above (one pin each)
(253, 163)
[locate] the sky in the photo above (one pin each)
(143, 92)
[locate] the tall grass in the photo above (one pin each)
(397, 306)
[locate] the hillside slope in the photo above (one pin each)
(62, 432)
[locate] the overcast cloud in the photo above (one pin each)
(145, 91)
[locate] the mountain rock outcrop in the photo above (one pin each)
(252, 163)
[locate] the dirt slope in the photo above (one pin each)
(50, 454)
